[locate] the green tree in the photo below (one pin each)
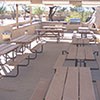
(2, 11)
(38, 11)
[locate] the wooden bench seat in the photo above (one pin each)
(40, 90)
(60, 61)
(17, 63)
(37, 47)
(57, 85)
(18, 59)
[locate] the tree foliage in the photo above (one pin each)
(2, 9)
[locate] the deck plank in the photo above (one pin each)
(71, 86)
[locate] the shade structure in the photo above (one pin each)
(36, 1)
(55, 2)
(16, 1)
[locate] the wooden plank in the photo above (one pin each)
(60, 61)
(80, 53)
(25, 38)
(77, 41)
(56, 87)
(72, 52)
(40, 90)
(86, 85)
(98, 61)
(74, 41)
(18, 38)
(98, 87)
(89, 53)
(86, 41)
(80, 41)
(71, 86)
(10, 48)
(95, 49)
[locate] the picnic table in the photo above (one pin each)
(5, 49)
(51, 33)
(84, 31)
(71, 83)
(26, 40)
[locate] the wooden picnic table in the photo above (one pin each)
(51, 33)
(5, 49)
(25, 40)
(84, 31)
(71, 83)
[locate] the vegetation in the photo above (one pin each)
(79, 12)
(38, 11)
(2, 11)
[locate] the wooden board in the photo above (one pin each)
(86, 41)
(89, 53)
(56, 87)
(72, 52)
(86, 85)
(71, 86)
(60, 61)
(18, 60)
(80, 53)
(98, 87)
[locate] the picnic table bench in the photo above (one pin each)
(72, 83)
(59, 62)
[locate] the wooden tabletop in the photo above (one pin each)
(50, 30)
(25, 39)
(80, 41)
(6, 48)
(80, 53)
(54, 27)
(83, 30)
